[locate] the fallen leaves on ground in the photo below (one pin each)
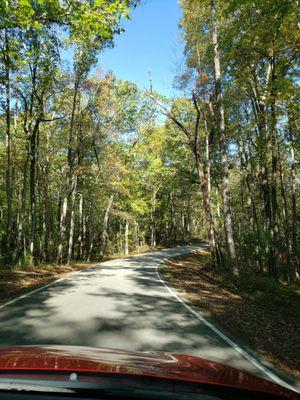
(267, 319)
(17, 281)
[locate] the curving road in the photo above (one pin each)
(121, 304)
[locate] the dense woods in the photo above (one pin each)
(242, 78)
(90, 167)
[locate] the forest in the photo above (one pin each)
(92, 165)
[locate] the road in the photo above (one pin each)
(120, 304)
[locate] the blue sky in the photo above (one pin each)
(151, 41)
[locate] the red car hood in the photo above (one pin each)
(160, 365)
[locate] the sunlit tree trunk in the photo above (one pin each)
(228, 220)
(62, 230)
(90, 233)
(126, 251)
(71, 173)
(105, 225)
(84, 230)
(33, 200)
(152, 218)
(215, 251)
(80, 230)
(47, 209)
(72, 219)
(137, 236)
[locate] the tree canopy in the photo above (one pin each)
(89, 166)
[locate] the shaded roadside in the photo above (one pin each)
(19, 280)
(263, 315)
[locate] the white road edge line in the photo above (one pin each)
(71, 274)
(195, 313)
(40, 288)
(234, 345)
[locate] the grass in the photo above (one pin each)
(263, 314)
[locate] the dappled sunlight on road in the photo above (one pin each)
(119, 304)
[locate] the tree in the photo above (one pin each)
(247, 57)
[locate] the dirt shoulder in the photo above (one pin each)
(265, 316)
(17, 281)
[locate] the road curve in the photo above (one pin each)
(117, 304)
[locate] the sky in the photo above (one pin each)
(151, 41)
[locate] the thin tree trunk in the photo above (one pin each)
(173, 222)
(152, 218)
(71, 161)
(218, 206)
(207, 209)
(47, 211)
(84, 230)
(105, 225)
(294, 196)
(62, 230)
(289, 269)
(263, 146)
(137, 236)
(246, 165)
(20, 227)
(275, 224)
(217, 261)
(32, 185)
(90, 234)
(127, 237)
(80, 234)
(72, 219)
(223, 150)
(7, 148)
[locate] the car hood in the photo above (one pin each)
(161, 365)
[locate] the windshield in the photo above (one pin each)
(148, 198)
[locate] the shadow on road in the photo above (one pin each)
(120, 304)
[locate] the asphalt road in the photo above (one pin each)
(120, 304)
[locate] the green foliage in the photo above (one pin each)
(258, 44)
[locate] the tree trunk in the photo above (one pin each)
(273, 262)
(152, 218)
(207, 209)
(105, 225)
(47, 210)
(32, 185)
(223, 150)
(20, 226)
(90, 234)
(7, 148)
(173, 219)
(137, 236)
(289, 269)
(62, 230)
(214, 248)
(127, 237)
(80, 233)
(84, 230)
(71, 162)
(72, 219)
(292, 126)
(246, 165)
